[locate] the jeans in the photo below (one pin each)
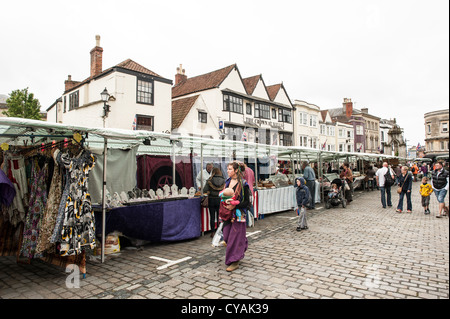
(408, 201)
(384, 191)
(440, 194)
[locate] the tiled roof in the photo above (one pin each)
(133, 66)
(202, 82)
(181, 108)
(273, 90)
(127, 64)
(250, 83)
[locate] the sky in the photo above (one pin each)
(391, 57)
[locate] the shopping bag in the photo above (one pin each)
(218, 236)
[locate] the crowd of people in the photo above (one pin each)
(435, 179)
(231, 209)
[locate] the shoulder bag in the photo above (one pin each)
(400, 188)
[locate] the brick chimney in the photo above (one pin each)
(68, 84)
(348, 107)
(96, 58)
(180, 76)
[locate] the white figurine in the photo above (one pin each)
(174, 189)
(191, 192)
(152, 194)
(166, 189)
(159, 193)
(184, 192)
(123, 197)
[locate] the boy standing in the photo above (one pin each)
(425, 191)
(303, 197)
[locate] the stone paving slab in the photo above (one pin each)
(360, 252)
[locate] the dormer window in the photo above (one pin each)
(144, 92)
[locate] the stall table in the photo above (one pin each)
(158, 221)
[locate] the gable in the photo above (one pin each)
(233, 81)
(180, 109)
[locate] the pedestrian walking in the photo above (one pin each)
(415, 171)
(439, 182)
(214, 185)
(347, 174)
(405, 182)
(234, 233)
(310, 178)
(425, 191)
(385, 183)
(303, 197)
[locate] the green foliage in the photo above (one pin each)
(22, 103)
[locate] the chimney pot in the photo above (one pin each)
(180, 76)
(96, 58)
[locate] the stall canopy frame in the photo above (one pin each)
(21, 132)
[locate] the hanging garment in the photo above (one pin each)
(51, 211)
(14, 168)
(7, 190)
(38, 200)
(75, 225)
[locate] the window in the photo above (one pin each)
(330, 148)
(429, 128)
(359, 130)
(284, 116)
(262, 111)
(313, 120)
(73, 100)
(444, 127)
(341, 147)
(144, 92)
(442, 146)
(349, 148)
(232, 104)
(248, 109)
(341, 132)
(322, 129)
(285, 139)
(350, 134)
(144, 122)
(303, 118)
(331, 131)
(303, 141)
(202, 117)
(274, 113)
(65, 104)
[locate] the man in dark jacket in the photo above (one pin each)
(439, 182)
(303, 197)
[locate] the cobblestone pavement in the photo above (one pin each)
(362, 251)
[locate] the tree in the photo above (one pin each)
(22, 103)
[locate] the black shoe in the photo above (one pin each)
(384, 206)
(299, 229)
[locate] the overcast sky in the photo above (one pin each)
(389, 56)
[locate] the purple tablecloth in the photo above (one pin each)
(163, 221)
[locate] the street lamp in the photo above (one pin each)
(105, 97)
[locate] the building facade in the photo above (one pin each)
(372, 131)
(223, 105)
(139, 98)
(345, 137)
(437, 132)
(350, 116)
(327, 132)
(307, 127)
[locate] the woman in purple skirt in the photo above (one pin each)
(234, 229)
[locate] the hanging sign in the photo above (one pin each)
(5, 146)
(77, 137)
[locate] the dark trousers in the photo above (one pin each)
(214, 206)
(408, 201)
(385, 192)
(312, 189)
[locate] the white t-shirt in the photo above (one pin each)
(380, 173)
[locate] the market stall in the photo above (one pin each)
(169, 220)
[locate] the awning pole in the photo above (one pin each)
(201, 168)
(173, 164)
(105, 155)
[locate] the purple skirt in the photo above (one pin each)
(234, 234)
